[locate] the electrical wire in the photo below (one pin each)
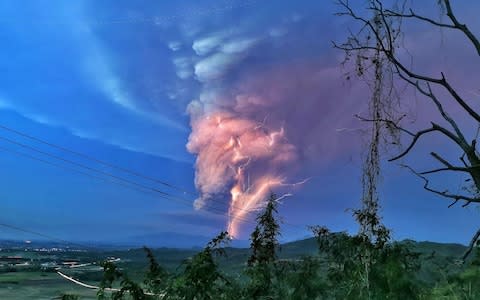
(136, 184)
(93, 159)
(137, 187)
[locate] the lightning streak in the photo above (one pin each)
(237, 159)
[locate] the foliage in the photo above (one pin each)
(201, 278)
(463, 285)
(391, 271)
(156, 278)
(264, 244)
(368, 265)
(306, 280)
(69, 297)
(127, 286)
(337, 272)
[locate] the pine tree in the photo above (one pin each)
(264, 245)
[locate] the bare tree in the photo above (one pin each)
(378, 40)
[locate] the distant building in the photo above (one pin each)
(70, 262)
(14, 261)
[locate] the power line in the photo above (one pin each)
(138, 185)
(75, 170)
(46, 236)
(85, 167)
(91, 158)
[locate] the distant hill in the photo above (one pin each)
(297, 248)
(444, 249)
(432, 255)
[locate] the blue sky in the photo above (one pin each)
(116, 79)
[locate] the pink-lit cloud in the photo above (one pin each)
(252, 136)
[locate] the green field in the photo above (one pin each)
(38, 285)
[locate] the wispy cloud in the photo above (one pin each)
(85, 133)
(228, 54)
(213, 67)
(184, 68)
(206, 45)
(174, 46)
(99, 66)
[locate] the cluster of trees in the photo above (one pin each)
(346, 267)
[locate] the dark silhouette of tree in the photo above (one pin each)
(156, 278)
(111, 274)
(390, 273)
(264, 242)
(305, 279)
(201, 279)
(264, 245)
(378, 42)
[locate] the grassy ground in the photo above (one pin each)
(38, 286)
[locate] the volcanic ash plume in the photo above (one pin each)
(238, 158)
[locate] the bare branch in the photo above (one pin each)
(442, 81)
(472, 245)
(391, 13)
(437, 103)
(453, 203)
(346, 47)
(389, 53)
(442, 160)
(448, 166)
(388, 123)
(462, 158)
(382, 28)
(435, 100)
(435, 128)
(462, 27)
(444, 194)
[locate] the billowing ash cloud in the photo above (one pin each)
(267, 106)
(237, 153)
(251, 137)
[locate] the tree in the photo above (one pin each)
(377, 42)
(156, 278)
(201, 279)
(390, 273)
(462, 285)
(264, 242)
(155, 282)
(264, 245)
(305, 279)
(111, 274)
